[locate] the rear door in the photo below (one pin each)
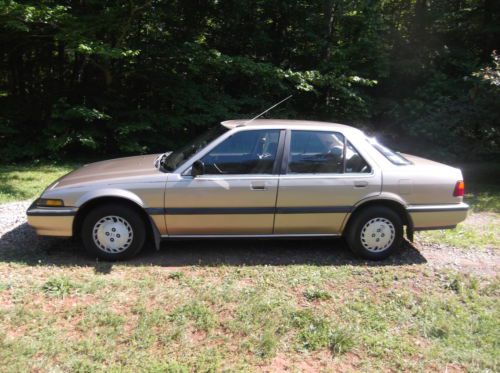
(323, 177)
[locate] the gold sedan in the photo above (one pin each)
(267, 178)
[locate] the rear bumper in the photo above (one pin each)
(52, 221)
(425, 217)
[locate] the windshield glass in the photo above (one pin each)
(392, 156)
(179, 156)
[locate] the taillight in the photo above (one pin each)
(459, 189)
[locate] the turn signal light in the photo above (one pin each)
(45, 202)
(459, 189)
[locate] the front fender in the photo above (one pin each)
(109, 192)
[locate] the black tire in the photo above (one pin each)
(130, 224)
(361, 237)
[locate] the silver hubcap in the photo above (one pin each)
(112, 234)
(378, 235)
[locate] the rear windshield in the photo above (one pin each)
(392, 156)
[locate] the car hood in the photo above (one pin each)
(113, 170)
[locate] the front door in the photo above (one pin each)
(324, 176)
(235, 195)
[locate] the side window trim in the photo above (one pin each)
(280, 153)
(286, 152)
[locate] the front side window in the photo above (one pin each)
(316, 152)
(245, 152)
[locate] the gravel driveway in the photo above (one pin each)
(20, 244)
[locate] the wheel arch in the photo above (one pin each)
(395, 205)
(152, 232)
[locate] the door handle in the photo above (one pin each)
(258, 186)
(360, 184)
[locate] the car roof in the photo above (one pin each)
(288, 123)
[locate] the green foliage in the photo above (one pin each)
(110, 78)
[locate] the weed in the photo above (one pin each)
(58, 287)
(267, 344)
(316, 332)
(316, 294)
(197, 312)
(340, 340)
(175, 275)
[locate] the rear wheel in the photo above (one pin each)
(113, 232)
(375, 233)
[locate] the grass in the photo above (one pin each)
(125, 317)
(21, 182)
(247, 318)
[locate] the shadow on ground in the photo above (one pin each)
(22, 245)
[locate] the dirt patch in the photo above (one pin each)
(315, 362)
(477, 262)
(480, 220)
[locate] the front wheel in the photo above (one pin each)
(113, 232)
(374, 233)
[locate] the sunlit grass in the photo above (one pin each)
(468, 235)
(21, 182)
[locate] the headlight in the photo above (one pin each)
(46, 202)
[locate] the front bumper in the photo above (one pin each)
(425, 217)
(52, 221)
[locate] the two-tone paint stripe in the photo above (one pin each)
(248, 210)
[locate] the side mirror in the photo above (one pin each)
(198, 168)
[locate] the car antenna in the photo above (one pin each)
(272, 107)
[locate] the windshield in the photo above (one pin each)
(392, 156)
(179, 156)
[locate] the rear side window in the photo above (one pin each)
(354, 162)
(314, 152)
(391, 155)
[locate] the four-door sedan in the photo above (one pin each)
(266, 178)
